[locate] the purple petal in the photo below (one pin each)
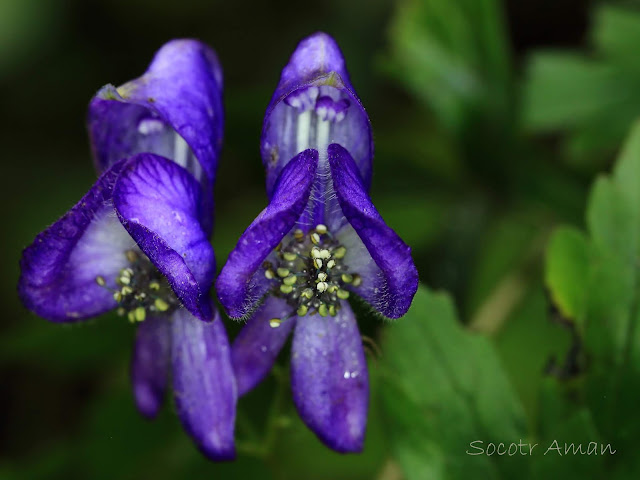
(389, 276)
(150, 364)
(329, 379)
(239, 287)
(256, 347)
(173, 110)
(203, 383)
(59, 269)
(315, 87)
(159, 203)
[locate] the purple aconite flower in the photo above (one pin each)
(319, 240)
(138, 241)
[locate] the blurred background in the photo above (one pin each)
(491, 120)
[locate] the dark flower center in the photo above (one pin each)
(141, 289)
(309, 273)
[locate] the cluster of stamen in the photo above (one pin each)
(309, 273)
(141, 289)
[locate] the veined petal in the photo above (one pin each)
(150, 364)
(238, 286)
(314, 105)
(174, 110)
(329, 379)
(389, 276)
(159, 203)
(256, 347)
(59, 269)
(203, 383)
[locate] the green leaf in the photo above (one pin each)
(592, 97)
(559, 455)
(567, 267)
(607, 294)
(453, 55)
(443, 388)
(617, 32)
(565, 90)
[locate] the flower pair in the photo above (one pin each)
(138, 242)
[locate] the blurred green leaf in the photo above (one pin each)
(565, 90)
(526, 344)
(607, 293)
(452, 54)
(594, 98)
(575, 433)
(616, 32)
(444, 388)
(567, 266)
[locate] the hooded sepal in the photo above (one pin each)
(314, 102)
(174, 109)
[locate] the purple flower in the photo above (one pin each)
(138, 240)
(319, 240)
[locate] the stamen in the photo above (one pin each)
(275, 322)
(141, 289)
(308, 272)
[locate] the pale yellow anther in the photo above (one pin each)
(343, 294)
(315, 238)
(154, 285)
(325, 254)
(275, 322)
(126, 290)
(323, 310)
(131, 255)
(298, 234)
(124, 279)
(347, 278)
(286, 289)
(332, 310)
(331, 263)
(131, 316)
(322, 276)
(357, 280)
(290, 280)
(117, 296)
(340, 252)
(315, 252)
(100, 280)
(161, 305)
(269, 274)
(322, 286)
(317, 263)
(307, 293)
(283, 272)
(332, 289)
(302, 310)
(321, 229)
(140, 313)
(289, 256)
